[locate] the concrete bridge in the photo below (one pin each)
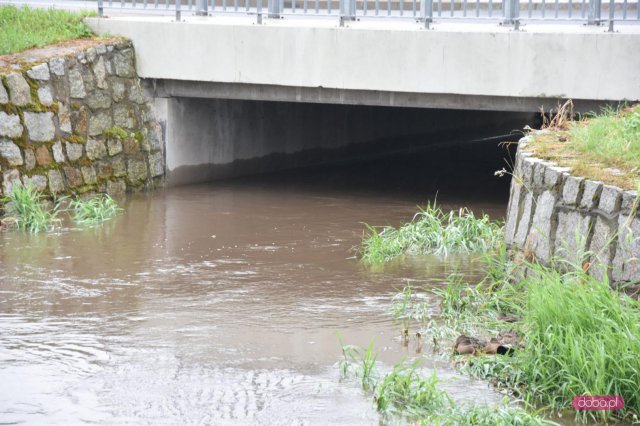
(231, 90)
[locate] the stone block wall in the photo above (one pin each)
(554, 215)
(78, 121)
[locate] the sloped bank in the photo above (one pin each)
(555, 215)
(74, 119)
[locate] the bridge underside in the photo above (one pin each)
(266, 92)
(209, 139)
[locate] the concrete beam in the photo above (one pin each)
(321, 95)
(461, 62)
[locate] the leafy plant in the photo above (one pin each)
(95, 209)
(432, 231)
(25, 207)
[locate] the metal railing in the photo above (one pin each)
(505, 12)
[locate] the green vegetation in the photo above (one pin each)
(24, 27)
(115, 132)
(28, 209)
(404, 392)
(576, 335)
(95, 209)
(25, 208)
(603, 147)
(432, 231)
(583, 339)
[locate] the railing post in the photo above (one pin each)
(612, 9)
(347, 11)
(201, 8)
(275, 8)
(178, 11)
(100, 8)
(595, 7)
(259, 11)
(426, 12)
(511, 13)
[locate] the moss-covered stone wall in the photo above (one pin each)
(78, 122)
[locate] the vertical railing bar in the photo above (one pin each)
(329, 6)
(293, 6)
(452, 7)
(439, 8)
(305, 6)
(401, 7)
(556, 10)
(189, 4)
(595, 12)
(426, 12)
(178, 3)
(235, 5)
(364, 7)
(477, 8)
(544, 7)
(224, 5)
(490, 8)
(583, 8)
(121, 3)
(530, 8)
(624, 10)
(100, 8)
(377, 6)
(317, 7)
(612, 11)
(570, 11)
(464, 8)
(156, 4)
(388, 7)
(414, 8)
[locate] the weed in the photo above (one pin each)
(95, 209)
(432, 231)
(583, 339)
(25, 207)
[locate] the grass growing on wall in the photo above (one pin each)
(24, 27)
(432, 231)
(602, 147)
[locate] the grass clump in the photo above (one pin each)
(580, 337)
(432, 231)
(25, 208)
(404, 392)
(25, 27)
(95, 209)
(583, 339)
(603, 146)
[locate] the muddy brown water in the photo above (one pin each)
(219, 303)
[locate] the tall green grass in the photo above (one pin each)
(432, 231)
(583, 339)
(612, 137)
(24, 27)
(95, 209)
(26, 208)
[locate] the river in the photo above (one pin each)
(220, 303)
